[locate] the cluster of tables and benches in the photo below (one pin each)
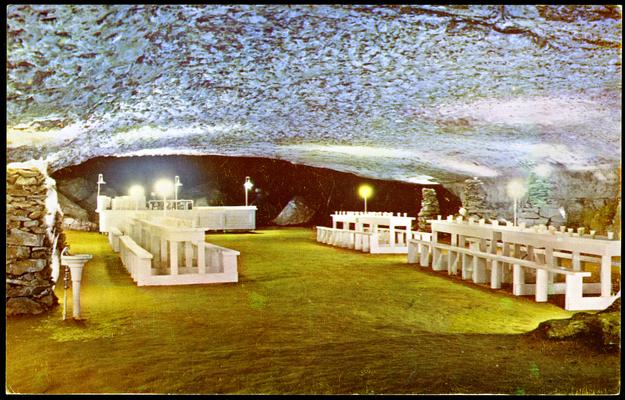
(370, 232)
(171, 251)
(494, 253)
(531, 260)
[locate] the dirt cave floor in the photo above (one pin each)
(303, 318)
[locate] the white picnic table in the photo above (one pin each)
(551, 244)
(155, 236)
(373, 221)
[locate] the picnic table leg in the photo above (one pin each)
(424, 258)
(453, 256)
(163, 253)
(574, 292)
(412, 253)
(518, 280)
(173, 257)
(549, 261)
(541, 285)
(505, 275)
(436, 252)
(606, 276)
(577, 262)
(188, 254)
(479, 265)
(495, 275)
(201, 257)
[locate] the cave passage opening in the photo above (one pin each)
(218, 181)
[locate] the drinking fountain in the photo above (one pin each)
(75, 263)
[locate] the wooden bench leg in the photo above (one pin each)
(467, 266)
(424, 257)
(412, 253)
(438, 259)
(188, 254)
(574, 292)
(542, 285)
(495, 274)
(518, 280)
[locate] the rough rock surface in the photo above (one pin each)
(296, 212)
(474, 199)
(77, 189)
(407, 92)
(429, 208)
(29, 246)
(602, 329)
(71, 209)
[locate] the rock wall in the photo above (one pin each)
(32, 224)
(474, 199)
(429, 208)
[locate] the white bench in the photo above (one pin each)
(136, 259)
(364, 241)
(572, 288)
(114, 235)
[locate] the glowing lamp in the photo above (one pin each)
(136, 192)
(177, 184)
(516, 189)
(247, 185)
(164, 187)
(365, 191)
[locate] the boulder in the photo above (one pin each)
(602, 329)
(77, 189)
(296, 212)
(73, 224)
(71, 209)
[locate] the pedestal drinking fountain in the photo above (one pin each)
(76, 264)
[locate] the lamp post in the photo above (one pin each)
(247, 185)
(136, 192)
(365, 192)
(100, 182)
(163, 187)
(516, 189)
(176, 185)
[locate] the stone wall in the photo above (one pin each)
(32, 225)
(429, 208)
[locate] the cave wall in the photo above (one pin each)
(31, 226)
(589, 198)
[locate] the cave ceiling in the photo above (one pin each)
(410, 92)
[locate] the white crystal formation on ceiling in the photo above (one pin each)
(403, 92)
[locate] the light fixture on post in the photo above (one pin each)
(365, 191)
(176, 185)
(516, 189)
(100, 182)
(163, 188)
(136, 192)
(247, 185)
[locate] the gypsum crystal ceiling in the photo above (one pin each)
(393, 92)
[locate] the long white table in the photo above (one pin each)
(545, 244)
(210, 218)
